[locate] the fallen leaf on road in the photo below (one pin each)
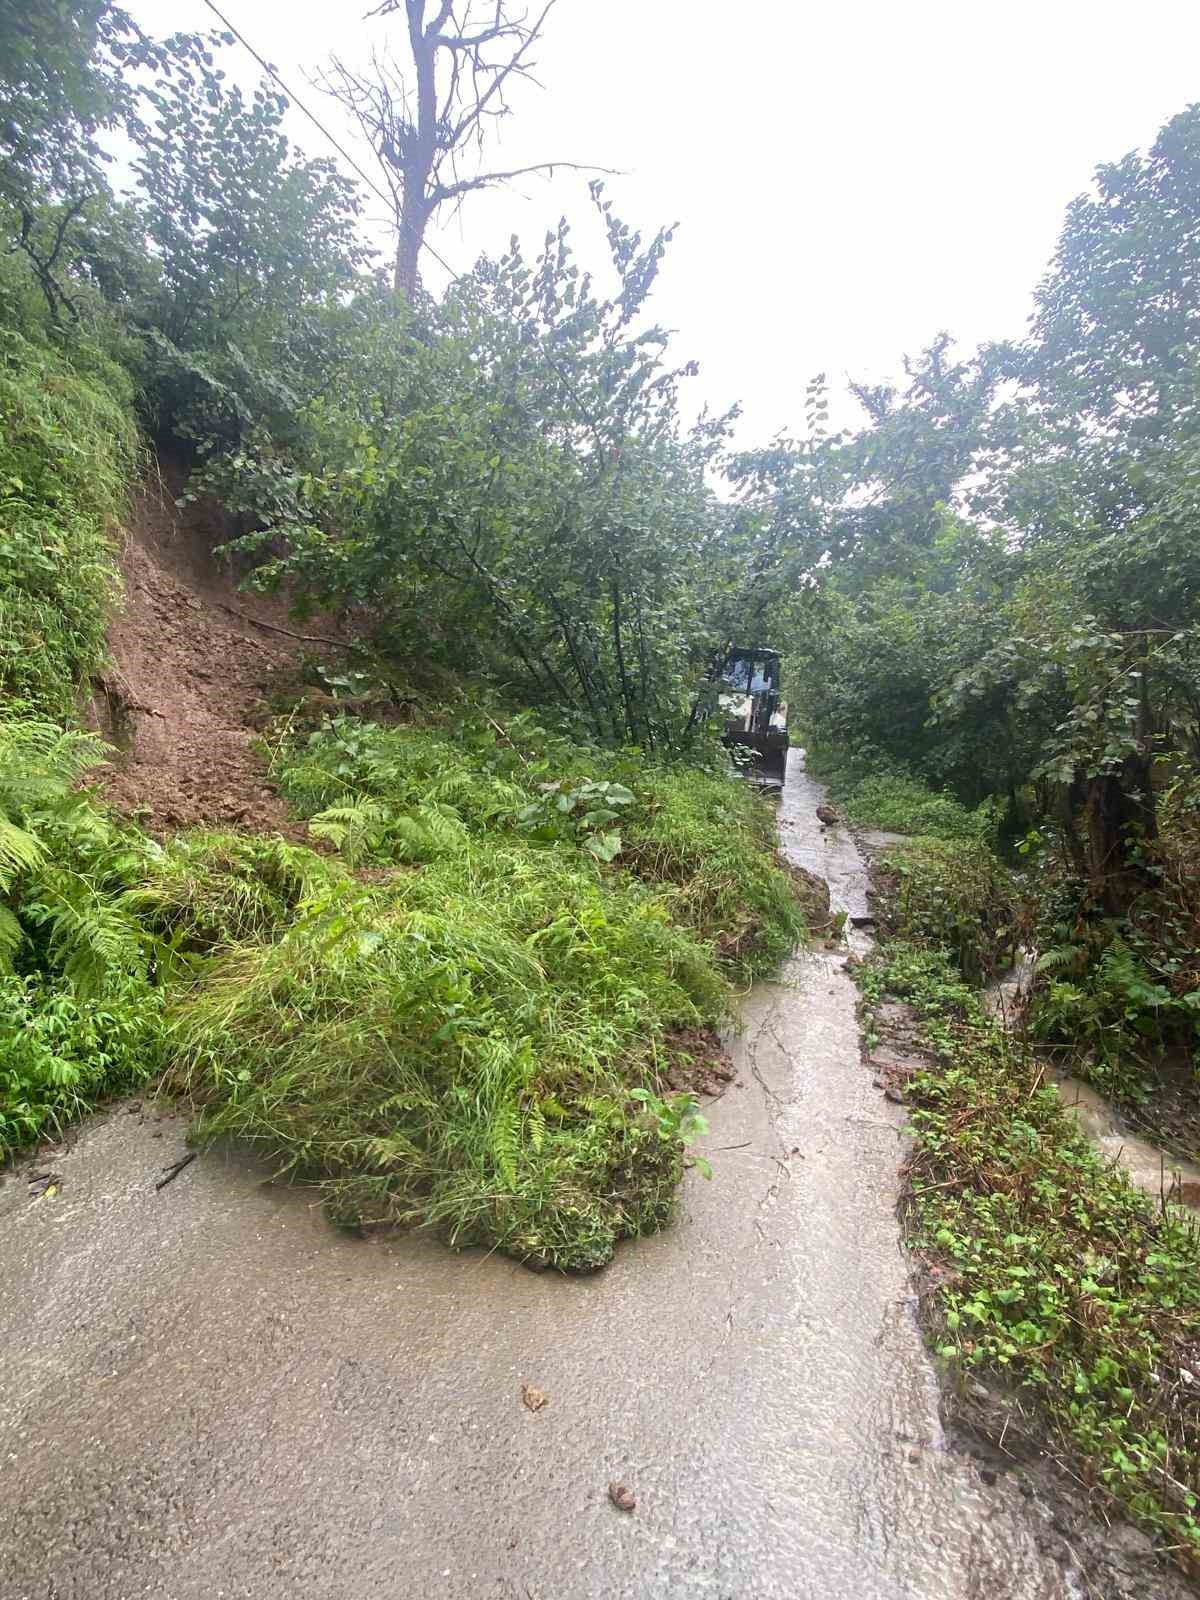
(621, 1497)
(532, 1399)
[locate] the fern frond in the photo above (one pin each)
(352, 826)
(505, 1142)
(92, 938)
(20, 851)
(12, 936)
(41, 762)
(536, 1122)
(1057, 957)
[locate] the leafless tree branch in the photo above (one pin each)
(419, 122)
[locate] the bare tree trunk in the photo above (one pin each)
(406, 277)
(426, 133)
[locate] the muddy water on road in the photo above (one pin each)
(208, 1393)
(1155, 1171)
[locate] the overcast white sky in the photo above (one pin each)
(848, 179)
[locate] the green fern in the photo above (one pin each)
(535, 1122)
(92, 939)
(20, 851)
(1057, 957)
(12, 936)
(355, 827)
(505, 1143)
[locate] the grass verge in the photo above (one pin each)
(1047, 1271)
(875, 796)
(954, 895)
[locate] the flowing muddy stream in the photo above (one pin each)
(209, 1393)
(1154, 1171)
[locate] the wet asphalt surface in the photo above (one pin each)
(209, 1394)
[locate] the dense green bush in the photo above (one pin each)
(79, 1016)
(459, 1015)
(61, 1053)
(1120, 993)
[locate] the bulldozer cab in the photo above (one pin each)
(755, 714)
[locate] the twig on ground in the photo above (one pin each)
(273, 627)
(171, 1173)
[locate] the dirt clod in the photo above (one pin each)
(696, 1062)
(621, 1497)
(533, 1399)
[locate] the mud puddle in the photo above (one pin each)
(209, 1393)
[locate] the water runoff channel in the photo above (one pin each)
(209, 1394)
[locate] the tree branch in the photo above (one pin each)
(445, 192)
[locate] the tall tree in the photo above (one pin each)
(428, 126)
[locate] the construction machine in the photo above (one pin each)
(755, 715)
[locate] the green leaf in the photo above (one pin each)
(604, 846)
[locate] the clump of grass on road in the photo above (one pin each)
(467, 1031)
(460, 1045)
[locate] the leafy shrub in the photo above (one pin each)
(60, 1053)
(1119, 992)
(63, 863)
(68, 447)
(79, 1015)
(952, 896)
(901, 804)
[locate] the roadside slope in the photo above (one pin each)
(194, 663)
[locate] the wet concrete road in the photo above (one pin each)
(207, 1393)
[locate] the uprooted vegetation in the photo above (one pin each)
(477, 1035)
(463, 999)
(463, 1013)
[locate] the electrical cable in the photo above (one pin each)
(295, 100)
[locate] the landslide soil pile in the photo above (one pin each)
(197, 668)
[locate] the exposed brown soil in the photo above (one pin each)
(812, 893)
(696, 1062)
(195, 668)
